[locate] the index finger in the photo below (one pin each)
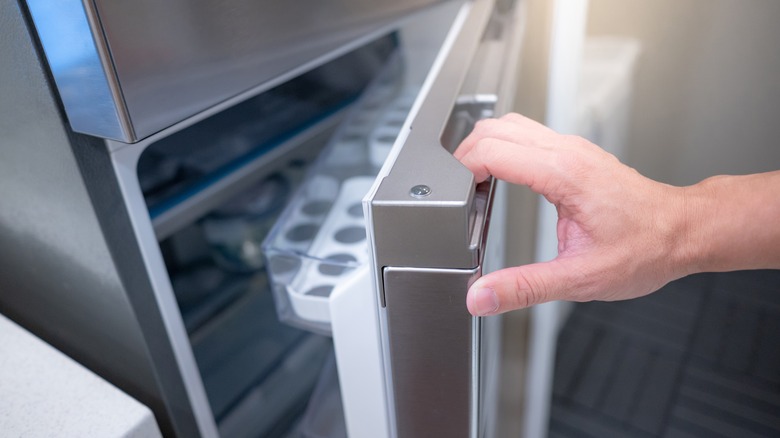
(515, 163)
(510, 127)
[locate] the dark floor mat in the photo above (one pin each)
(699, 358)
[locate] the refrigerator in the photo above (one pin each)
(247, 216)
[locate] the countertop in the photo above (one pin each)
(44, 393)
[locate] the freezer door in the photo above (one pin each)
(428, 224)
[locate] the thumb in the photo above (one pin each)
(519, 287)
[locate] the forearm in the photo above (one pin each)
(733, 223)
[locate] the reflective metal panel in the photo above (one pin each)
(434, 344)
(86, 85)
(428, 225)
(68, 262)
(432, 230)
(434, 351)
(129, 69)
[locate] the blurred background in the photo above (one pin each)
(679, 90)
(706, 94)
(707, 84)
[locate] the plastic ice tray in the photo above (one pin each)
(338, 247)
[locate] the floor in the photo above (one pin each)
(700, 358)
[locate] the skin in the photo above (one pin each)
(620, 235)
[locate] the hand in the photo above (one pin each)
(619, 233)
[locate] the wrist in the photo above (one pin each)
(691, 242)
(732, 223)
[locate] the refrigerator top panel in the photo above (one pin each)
(125, 70)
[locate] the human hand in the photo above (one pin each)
(619, 233)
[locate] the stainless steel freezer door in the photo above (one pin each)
(428, 225)
(126, 70)
(434, 344)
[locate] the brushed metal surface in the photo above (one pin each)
(81, 69)
(434, 353)
(63, 275)
(428, 250)
(434, 346)
(433, 231)
(51, 253)
(145, 65)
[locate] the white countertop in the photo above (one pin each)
(44, 393)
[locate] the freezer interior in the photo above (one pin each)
(257, 213)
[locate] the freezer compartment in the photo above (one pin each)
(262, 377)
(213, 190)
(274, 406)
(315, 261)
(241, 345)
(258, 373)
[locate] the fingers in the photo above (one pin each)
(520, 287)
(518, 164)
(511, 127)
(515, 149)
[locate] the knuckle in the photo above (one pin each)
(483, 125)
(481, 157)
(483, 147)
(566, 161)
(529, 289)
(488, 127)
(573, 163)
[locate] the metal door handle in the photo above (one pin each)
(422, 212)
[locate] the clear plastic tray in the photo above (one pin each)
(320, 239)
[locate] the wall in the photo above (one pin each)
(707, 95)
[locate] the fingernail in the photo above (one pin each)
(485, 301)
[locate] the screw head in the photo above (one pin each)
(420, 191)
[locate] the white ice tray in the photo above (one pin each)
(341, 236)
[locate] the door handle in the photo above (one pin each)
(422, 212)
